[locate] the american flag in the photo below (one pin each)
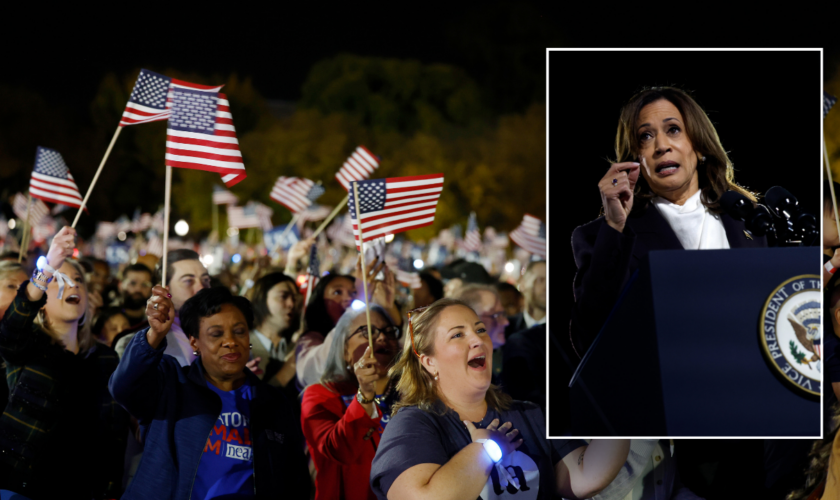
(151, 98)
(314, 213)
(530, 235)
(341, 231)
(45, 228)
(201, 135)
(472, 240)
(222, 196)
(828, 101)
(155, 245)
(264, 214)
(51, 180)
(243, 217)
(37, 209)
(295, 193)
(395, 204)
(358, 167)
(158, 220)
(411, 280)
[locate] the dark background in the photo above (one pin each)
(769, 125)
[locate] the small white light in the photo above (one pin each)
(208, 260)
(357, 304)
(121, 235)
(236, 258)
(12, 223)
(493, 449)
(41, 262)
(233, 231)
(418, 263)
(389, 238)
(509, 267)
(182, 228)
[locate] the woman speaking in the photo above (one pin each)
(662, 193)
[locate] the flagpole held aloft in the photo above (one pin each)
(831, 186)
(364, 268)
(96, 176)
(24, 240)
(167, 195)
(332, 215)
(289, 226)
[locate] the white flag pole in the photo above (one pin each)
(96, 176)
(289, 226)
(331, 216)
(362, 258)
(167, 195)
(831, 186)
(24, 239)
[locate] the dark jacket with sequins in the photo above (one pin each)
(62, 435)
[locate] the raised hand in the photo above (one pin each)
(254, 366)
(616, 188)
(61, 247)
(161, 314)
(367, 374)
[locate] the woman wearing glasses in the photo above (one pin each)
(345, 414)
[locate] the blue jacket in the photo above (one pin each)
(177, 412)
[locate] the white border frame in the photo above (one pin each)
(548, 52)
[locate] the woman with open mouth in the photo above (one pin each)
(61, 435)
(212, 429)
(662, 193)
(454, 435)
(344, 415)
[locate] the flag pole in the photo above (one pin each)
(362, 257)
(331, 216)
(216, 220)
(290, 225)
(96, 176)
(831, 186)
(167, 194)
(24, 243)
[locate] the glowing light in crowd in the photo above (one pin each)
(233, 231)
(236, 258)
(182, 228)
(12, 223)
(388, 237)
(357, 304)
(75, 253)
(301, 279)
(208, 259)
(418, 263)
(509, 267)
(40, 263)
(121, 236)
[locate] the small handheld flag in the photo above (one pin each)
(51, 180)
(530, 235)
(358, 167)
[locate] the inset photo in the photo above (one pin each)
(686, 278)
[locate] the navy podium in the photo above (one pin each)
(681, 354)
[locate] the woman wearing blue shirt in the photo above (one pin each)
(211, 429)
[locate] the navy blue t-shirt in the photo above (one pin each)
(415, 437)
(226, 468)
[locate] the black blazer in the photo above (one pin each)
(606, 259)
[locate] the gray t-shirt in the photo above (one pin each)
(414, 437)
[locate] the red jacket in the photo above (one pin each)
(342, 441)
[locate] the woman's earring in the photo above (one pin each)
(349, 369)
(250, 346)
(702, 159)
(195, 353)
(436, 376)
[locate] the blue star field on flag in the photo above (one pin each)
(828, 101)
(150, 90)
(194, 111)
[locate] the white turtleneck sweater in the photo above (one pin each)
(694, 226)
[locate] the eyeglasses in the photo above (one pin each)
(390, 332)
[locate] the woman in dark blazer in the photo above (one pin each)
(663, 193)
(211, 429)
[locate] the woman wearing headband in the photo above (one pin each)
(58, 381)
(344, 415)
(453, 435)
(663, 192)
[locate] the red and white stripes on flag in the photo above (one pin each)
(472, 238)
(203, 139)
(37, 209)
(51, 180)
(292, 192)
(358, 167)
(411, 280)
(155, 245)
(393, 205)
(530, 235)
(341, 231)
(243, 217)
(313, 214)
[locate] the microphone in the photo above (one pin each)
(786, 207)
(757, 219)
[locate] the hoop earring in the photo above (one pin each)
(83, 319)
